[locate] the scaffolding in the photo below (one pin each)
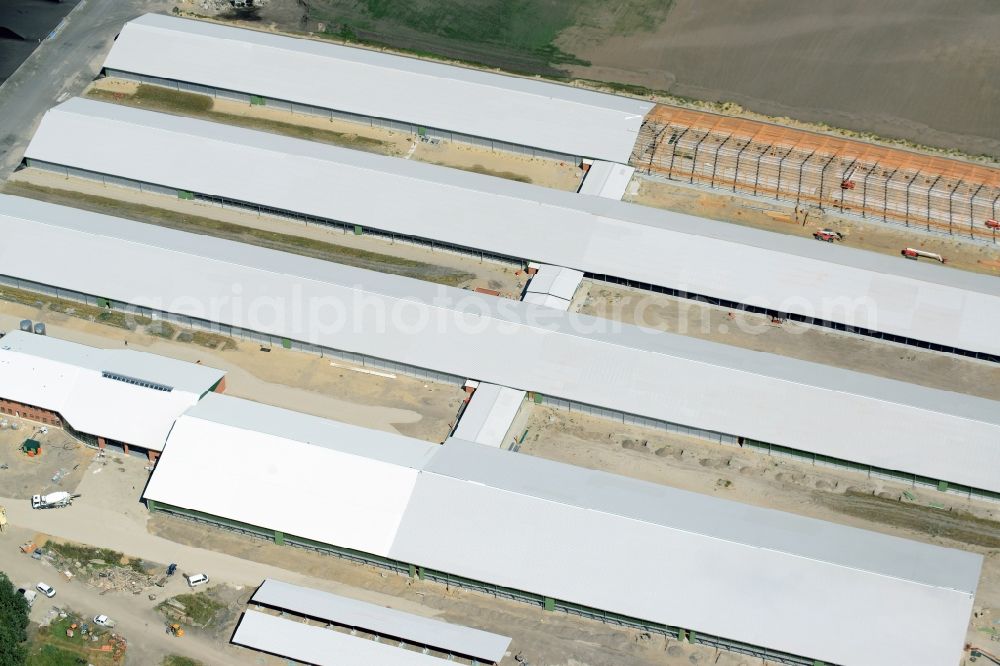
(930, 193)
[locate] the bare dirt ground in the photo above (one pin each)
(918, 70)
(454, 154)
(771, 215)
(809, 343)
(504, 278)
(290, 379)
(62, 459)
(779, 483)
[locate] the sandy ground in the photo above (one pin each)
(62, 458)
(505, 278)
(289, 379)
(109, 514)
(914, 69)
(810, 343)
(540, 171)
(771, 215)
(776, 483)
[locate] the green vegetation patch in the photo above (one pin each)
(123, 320)
(957, 525)
(52, 646)
(202, 608)
(159, 99)
(13, 623)
(200, 106)
(307, 247)
(212, 340)
(20, 296)
(97, 557)
(162, 329)
(178, 660)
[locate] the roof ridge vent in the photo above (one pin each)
(107, 374)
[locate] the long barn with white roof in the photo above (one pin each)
(640, 376)
(772, 584)
(118, 397)
(739, 267)
(424, 98)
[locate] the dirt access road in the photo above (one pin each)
(136, 619)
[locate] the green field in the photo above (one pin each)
(50, 646)
(514, 35)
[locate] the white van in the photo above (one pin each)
(46, 590)
(194, 580)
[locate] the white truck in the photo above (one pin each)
(52, 500)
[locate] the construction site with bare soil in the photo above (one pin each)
(340, 379)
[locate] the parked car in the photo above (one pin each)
(47, 590)
(104, 621)
(29, 595)
(171, 569)
(194, 580)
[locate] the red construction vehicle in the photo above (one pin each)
(848, 182)
(992, 224)
(828, 235)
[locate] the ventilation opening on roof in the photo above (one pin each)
(136, 382)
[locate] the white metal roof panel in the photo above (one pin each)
(938, 434)
(607, 179)
(779, 599)
(489, 415)
(764, 577)
(548, 300)
(555, 280)
(338, 489)
(321, 646)
(67, 378)
(192, 377)
(382, 620)
(709, 516)
(516, 110)
(726, 261)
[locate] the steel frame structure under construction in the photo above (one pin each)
(930, 193)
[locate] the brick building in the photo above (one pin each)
(118, 398)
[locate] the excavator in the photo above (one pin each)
(176, 630)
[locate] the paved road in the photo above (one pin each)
(60, 68)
